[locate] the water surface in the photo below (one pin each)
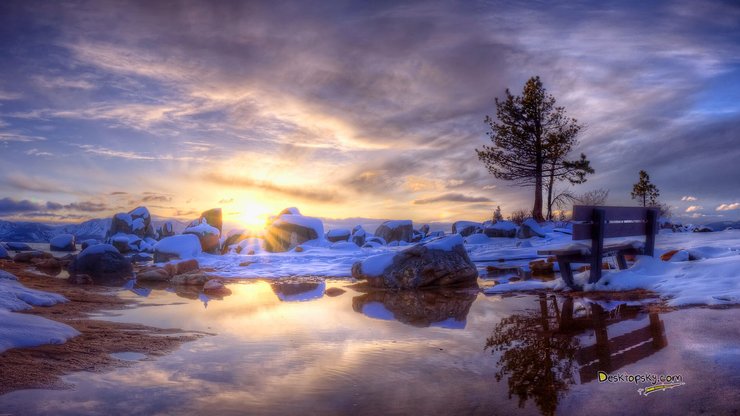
(328, 347)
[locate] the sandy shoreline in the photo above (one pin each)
(43, 366)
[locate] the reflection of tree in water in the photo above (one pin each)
(538, 360)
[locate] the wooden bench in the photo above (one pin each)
(596, 223)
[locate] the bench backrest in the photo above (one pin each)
(599, 222)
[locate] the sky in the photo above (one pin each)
(354, 109)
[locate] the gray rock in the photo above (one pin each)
(437, 263)
(18, 246)
(102, 262)
(397, 230)
(465, 228)
(63, 242)
(529, 228)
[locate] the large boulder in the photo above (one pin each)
(185, 246)
(125, 243)
(465, 228)
(63, 242)
(234, 237)
(208, 235)
(501, 229)
(136, 222)
(358, 235)
(397, 230)
(87, 243)
(102, 262)
(289, 230)
(436, 263)
(530, 228)
(340, 234)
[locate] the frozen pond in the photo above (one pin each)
(327, 347)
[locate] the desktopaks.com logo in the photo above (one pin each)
(658, 382)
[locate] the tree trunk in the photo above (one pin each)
(550, 186)
(537, 209)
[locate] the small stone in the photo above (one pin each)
(153, 275)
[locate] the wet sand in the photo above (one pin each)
(43, 366)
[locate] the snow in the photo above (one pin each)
(503, 226)
(185, 246)
(97, 249)
(140, 212)
(202, 229)
(122, 216)
(4, 253)
(339, 232)
(397, 223)
(251, 244)
(534, 226)
(445, 243)
(307, 222)
(21, 330)
(477, 239)
(138, 224)
(375, 265)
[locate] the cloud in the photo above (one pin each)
(10, 206)
(452, 197)
(694, 208)
(296, 192)
(119, 193)
(226, 201)
(728, 207)
(688, 198)
(28, 183)
(87, 206)
(37, 152)
(156, 198)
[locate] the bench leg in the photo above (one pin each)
(567, 273)
(595, 274)
(621, 261)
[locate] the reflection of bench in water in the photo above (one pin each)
(611, 354)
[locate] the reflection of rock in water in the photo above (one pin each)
(421, 308)
(290, 291)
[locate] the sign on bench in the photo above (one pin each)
(596, 223)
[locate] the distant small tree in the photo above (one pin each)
(594, 197)
(518, 216)
(497, 216)
(645, 191)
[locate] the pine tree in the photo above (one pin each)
(497, 216)
(531, 140)
(645, 190)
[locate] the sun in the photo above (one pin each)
(253, 215)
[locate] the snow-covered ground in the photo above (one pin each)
(713, 279)
(21, 330)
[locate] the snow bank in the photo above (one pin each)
(477, 239)
(374, 265)
(20, 330)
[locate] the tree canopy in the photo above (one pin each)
(645, 191)
(532, 138)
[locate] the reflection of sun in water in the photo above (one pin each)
(253, 216)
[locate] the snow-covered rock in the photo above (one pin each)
(289, 230)
(424, 230)
(477, 239)
(207, 234)
(4, 253)
(530, 228)
(501, 229)
(102, 262)
(165, 230)
(436, 263)
(397, 230)
(87, 243)
(359, 235)
(339, 234)
(212, 217)
(465, 228)
(185, 246)
(250, 246)
(63, 242)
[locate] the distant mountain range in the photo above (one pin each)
(723, 225)
(36, 232)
